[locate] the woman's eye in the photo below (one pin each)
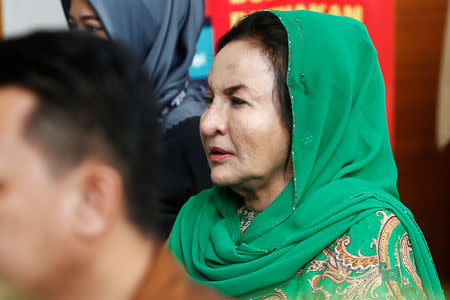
(237, 101)
(90, 28)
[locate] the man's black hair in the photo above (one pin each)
(94, 100)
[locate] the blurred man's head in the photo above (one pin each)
(77, 156)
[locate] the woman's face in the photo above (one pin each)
(82, 16)
(241, 129)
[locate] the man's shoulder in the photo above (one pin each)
(167, 280)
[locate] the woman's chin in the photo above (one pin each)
(221, 180)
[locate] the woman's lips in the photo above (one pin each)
(217, 154)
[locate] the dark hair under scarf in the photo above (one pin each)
(163, 34)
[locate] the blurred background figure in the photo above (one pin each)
(78, 170)
(163, 34)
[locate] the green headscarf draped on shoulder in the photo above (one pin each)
(343, 170)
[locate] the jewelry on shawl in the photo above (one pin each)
(246, 216)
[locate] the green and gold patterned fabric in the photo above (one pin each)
(373, 259)
(338, 229)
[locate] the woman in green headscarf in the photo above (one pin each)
(305, 203)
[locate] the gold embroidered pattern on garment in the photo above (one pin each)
(365, 274)
(407, 259)
(277, 295)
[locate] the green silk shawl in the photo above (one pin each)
(344, 170)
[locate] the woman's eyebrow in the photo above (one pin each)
(232, 89)
(86, 17)
(92, 17)
(229, 91)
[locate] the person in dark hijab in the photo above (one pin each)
(163, 34)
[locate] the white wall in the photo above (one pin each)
(23, 16)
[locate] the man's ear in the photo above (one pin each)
(101, 199)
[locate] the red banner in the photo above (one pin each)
(377, 15)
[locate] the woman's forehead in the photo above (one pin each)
(240, 63)
(81, 8)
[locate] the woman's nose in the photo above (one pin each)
(213, 120)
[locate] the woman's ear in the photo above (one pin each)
(101, 200)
